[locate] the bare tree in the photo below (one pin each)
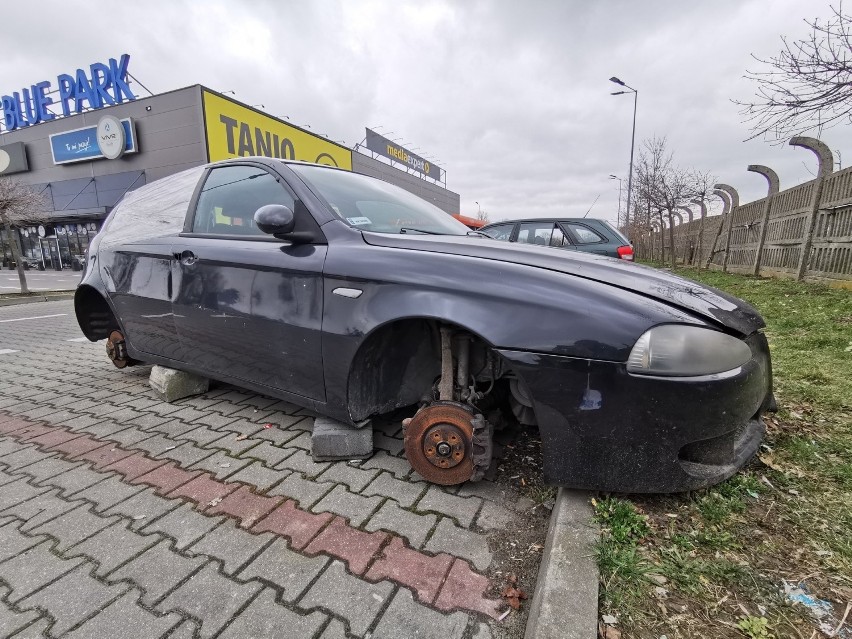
(19, 205)
(662, 187)
(807, 86)
(482, 216)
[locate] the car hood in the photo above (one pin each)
(703, 300)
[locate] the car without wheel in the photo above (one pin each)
(590, 235)
(355, 299)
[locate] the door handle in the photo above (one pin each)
(187, 258)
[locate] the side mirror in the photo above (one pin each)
(275, 219)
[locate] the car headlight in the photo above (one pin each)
(685, 351)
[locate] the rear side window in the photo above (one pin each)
(501, 232)
(585, 235)
(231, 195)
(539, 233)
(559, 238)
(616, 232)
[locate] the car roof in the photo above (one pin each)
(548, 219)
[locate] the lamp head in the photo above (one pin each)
(617, 81)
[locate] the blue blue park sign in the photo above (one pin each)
(103, 85)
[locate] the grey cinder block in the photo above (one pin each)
(334, 440)
(170, 384)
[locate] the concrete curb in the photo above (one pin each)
(47, 296)
(565, 602)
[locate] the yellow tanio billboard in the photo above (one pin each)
(234, 130)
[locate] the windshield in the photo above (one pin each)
(372, 205)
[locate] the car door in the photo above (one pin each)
(587, 239)
(135, 261)
(248, 306)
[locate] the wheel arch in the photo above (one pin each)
(397, 362)
(94, 314)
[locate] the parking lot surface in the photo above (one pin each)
(124, 516)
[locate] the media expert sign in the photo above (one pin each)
(104, 85)
(381, 145)
(237, 131)
(83, 144)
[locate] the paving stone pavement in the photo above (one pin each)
(124, 516)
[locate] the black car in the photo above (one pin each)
(353, 298)
(578, 233)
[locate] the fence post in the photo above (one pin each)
(700, 230)
(726, 208)
(676, 237)
(735, 204)
(686, 234)
(826, 166)
(772, 178)
(655, 230)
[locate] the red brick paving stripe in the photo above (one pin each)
(135, 466)
(298, 525)
(245, 506)
(466, 589)
(10, 424)
(74, 447)
(419, 572)
(104, 456)
(204, 490)
(54, 437)
(356, 547)
(33, 430)
(462, 589)
(166, 478)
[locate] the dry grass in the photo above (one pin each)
(713, 563)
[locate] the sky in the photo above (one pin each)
(511, 98)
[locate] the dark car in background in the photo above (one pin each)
(356, 299)
(590, 235)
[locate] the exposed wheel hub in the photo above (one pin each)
(444, 445)
(439, 444)
(116, 349)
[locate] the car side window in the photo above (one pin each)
(585, 235)
(559, 238)
(231, 195)
(538, 233)
(501, 232)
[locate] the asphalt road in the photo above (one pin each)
(39, 280)
(124, 516)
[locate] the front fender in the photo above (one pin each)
(510, 306)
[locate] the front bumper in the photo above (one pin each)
(603, 428)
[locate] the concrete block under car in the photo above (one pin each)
(332, 440)
(170, 384)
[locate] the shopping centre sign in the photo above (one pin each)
(100, 86)
(383, 146)
(235, 130)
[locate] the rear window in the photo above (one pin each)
(615, 232)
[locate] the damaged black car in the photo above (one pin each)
(355, 299)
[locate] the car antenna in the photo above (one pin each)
(593, 203)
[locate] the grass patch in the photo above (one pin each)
(713, 563)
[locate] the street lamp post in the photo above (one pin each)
(632, 142)
(615, 177)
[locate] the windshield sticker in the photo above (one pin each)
(355, 221)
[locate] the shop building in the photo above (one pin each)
(83, 163)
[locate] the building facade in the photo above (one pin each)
(81, 180)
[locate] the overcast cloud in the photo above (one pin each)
(511, 98)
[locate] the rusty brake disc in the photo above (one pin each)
(116, 349)
(439, 444)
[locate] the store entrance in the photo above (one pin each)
(51, 255)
